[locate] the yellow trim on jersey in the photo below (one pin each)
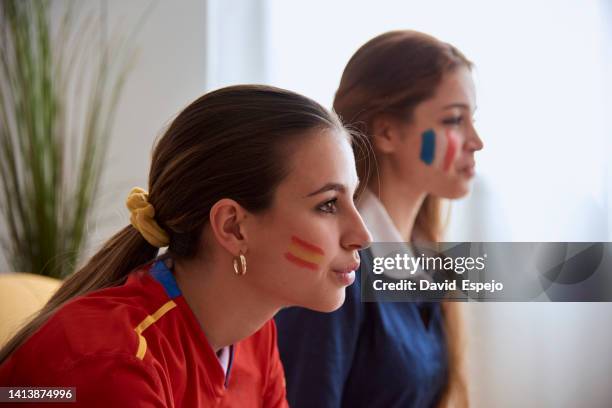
(149, 320)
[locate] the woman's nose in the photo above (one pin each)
(358, 236)
(474, 142)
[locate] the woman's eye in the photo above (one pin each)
(329, 206)
(456, 120)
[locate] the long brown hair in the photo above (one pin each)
(231, 143)
(391, 74)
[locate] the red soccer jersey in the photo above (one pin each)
(140, 345)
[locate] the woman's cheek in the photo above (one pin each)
(452, 147)
(439, 148)
(429, 141)
(304, 253)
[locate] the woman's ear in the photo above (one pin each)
(228, 227)
(386, 133)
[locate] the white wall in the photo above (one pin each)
(170, 72)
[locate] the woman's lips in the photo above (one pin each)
(467, 170)
(346, 274)
(349, 268)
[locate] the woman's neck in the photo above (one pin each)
(401, 202)
(227, 309)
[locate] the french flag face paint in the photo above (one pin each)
(428, 146)
(451, 149)
(304, 254)
(447, 146)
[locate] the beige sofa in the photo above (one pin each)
(22, 295)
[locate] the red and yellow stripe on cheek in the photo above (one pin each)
(304, 254)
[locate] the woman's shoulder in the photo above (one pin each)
(101, 323)
(102, 376)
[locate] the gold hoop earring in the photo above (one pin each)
(240, 271)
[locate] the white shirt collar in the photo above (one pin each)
(223, 356)
(377, 219)
(381, 226)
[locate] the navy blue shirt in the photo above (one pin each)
(379, 354)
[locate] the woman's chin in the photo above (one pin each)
(328, 305)
(458, 189)
(459, 194)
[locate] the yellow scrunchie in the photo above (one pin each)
(142, 218)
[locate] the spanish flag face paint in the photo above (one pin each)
(304, 254)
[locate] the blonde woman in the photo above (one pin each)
(413, 96)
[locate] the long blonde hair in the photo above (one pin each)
(391, 74)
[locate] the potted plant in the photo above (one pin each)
(60, 83)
